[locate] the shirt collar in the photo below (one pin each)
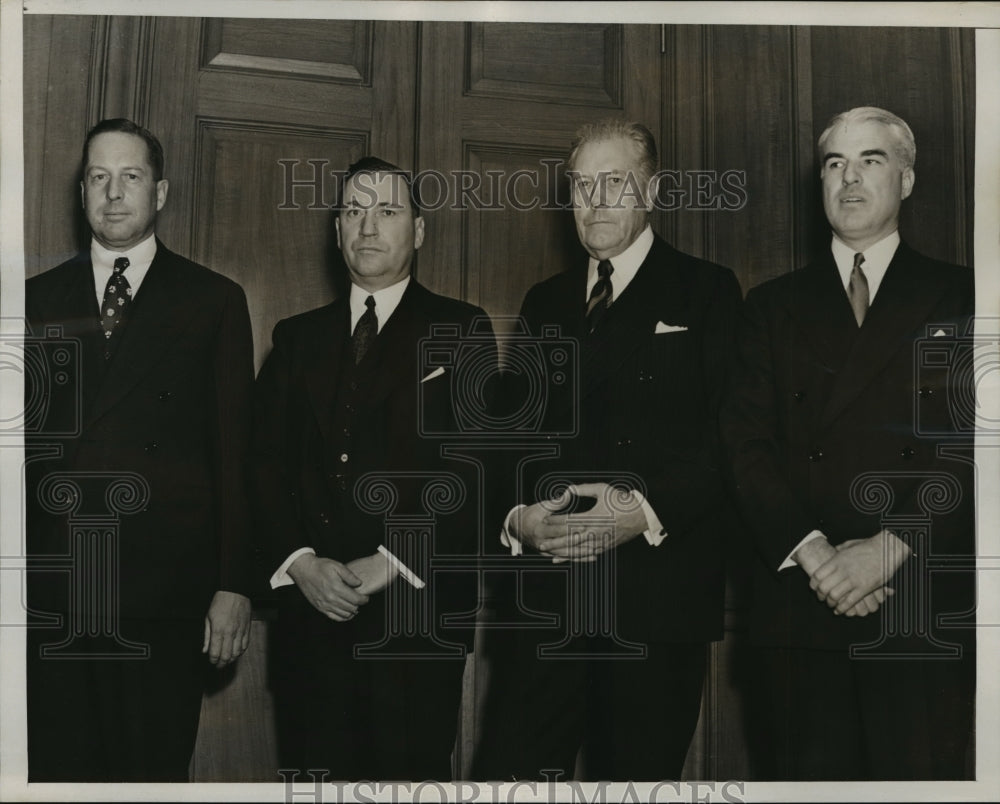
(626, 264)
(139, 256)
(386, 301)
(877, 259)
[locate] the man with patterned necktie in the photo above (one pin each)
(853, 472)
(633, 563)
(344, 401)
(158, 407)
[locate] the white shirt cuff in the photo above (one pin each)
(281, 576)
(506, 538)
(655, 532)
(791, 562)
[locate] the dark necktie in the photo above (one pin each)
(365, 331)
(117, 297)
(857, 289)
(600, 295)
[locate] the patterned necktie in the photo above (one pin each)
(117, 297)
(365, 331)
(857, 289)
(600, 296)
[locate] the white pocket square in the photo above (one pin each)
(436, 373)
(939, 334)
(662, 328)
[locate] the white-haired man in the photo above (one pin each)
(847, 455)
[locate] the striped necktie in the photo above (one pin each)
(600, 295)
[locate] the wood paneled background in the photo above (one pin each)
(238, 103)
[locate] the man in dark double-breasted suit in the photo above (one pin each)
(850, 433)
(137, 521)
(348, 464)
(630, 557)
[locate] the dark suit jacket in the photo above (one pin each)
(172, 406)
(819, 402)
(647, 406)
(310, 451)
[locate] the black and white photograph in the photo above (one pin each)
(482, 401)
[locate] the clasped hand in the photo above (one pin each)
(616, 518)
(853, 579)
(339, 590)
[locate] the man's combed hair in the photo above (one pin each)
(614, 128)
(373, 166)
(906, 145)
(121, 125)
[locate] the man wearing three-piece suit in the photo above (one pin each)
(349, 418)
(137, 525)
(846, 433)
(630, 555)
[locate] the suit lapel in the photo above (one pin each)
(823, 313)
(394, 359)
(323, 372)
(76, 310)
(160, 311)
(903, 303)
(657, 292)
(391, 360)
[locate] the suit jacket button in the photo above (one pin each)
(925, 392)
(152, 446)
(165, 395)
(798, 396)
(906, 453)
(107, 355)
(816, 455)
(343, 457)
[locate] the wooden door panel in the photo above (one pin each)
(552, 63)
(510, 248)
(246, 174)
(244, 107)
(331, 50)
(521, 93)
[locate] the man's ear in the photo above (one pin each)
(652, 187)
(418, 232)
(161, 193)
(909, 177)
(336, 226)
